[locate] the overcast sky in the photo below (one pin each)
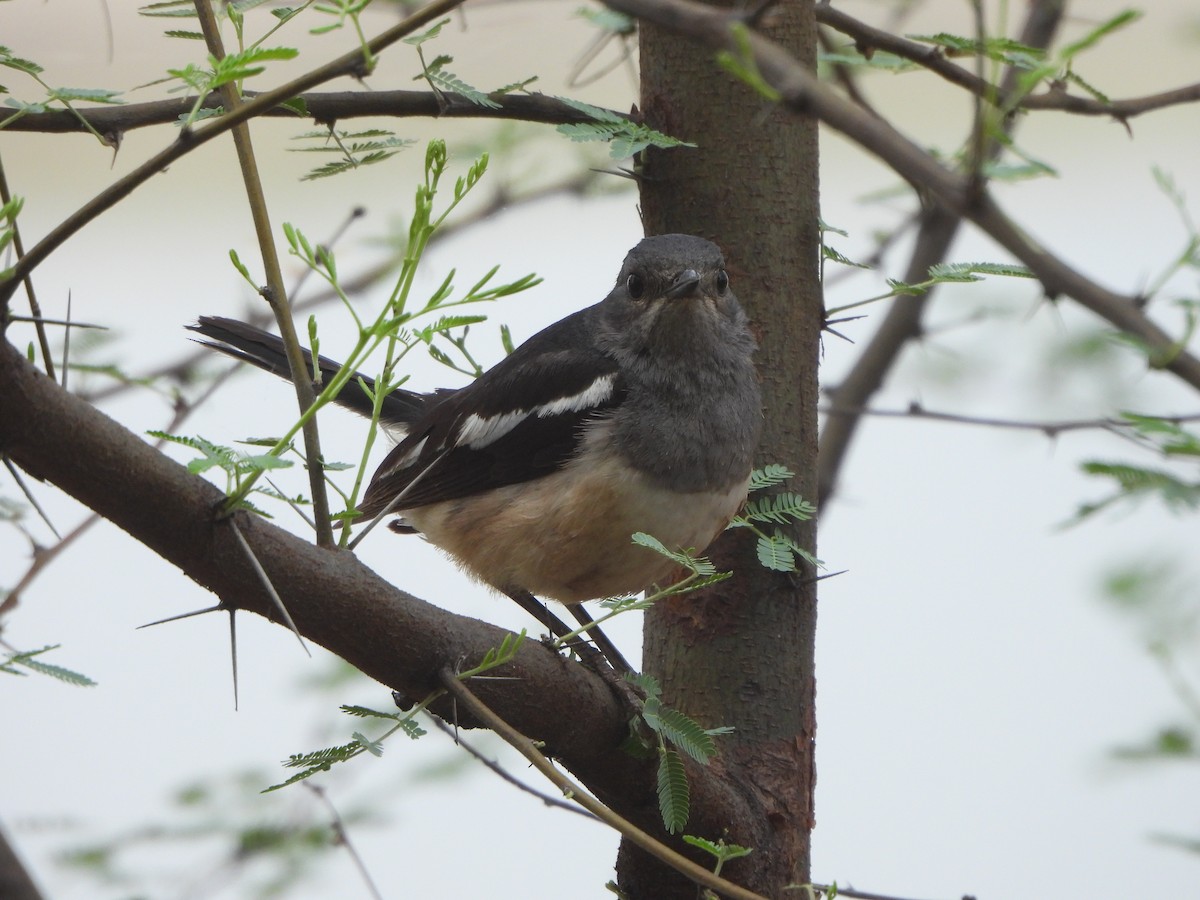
(971, 680)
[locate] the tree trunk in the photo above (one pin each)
(742, 654)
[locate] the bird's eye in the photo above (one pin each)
(722, 281)
(636, 286)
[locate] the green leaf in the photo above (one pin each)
(93, 95)
(695, 564)
(609, 20)
(681, 731)
(27, 659)
(970, 271)
(720, 850)
(1089, 40)
(625, 137)
(373, 747)
(833, 255)
(648, 684)
(365, 712)
(879, 59)
(782, 509)
(170, 9)
(742, 64)
(446, 81)
(1000, 49)
(9, 61)
(417, 40)
(673, 794)
(775, 553)
(769, 476)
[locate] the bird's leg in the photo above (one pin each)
(559, 628)
(607, 647)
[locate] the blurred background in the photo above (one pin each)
(981, 665)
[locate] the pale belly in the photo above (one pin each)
(567, 536)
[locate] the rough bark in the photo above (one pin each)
(742, 654)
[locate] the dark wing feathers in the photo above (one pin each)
(520, 420)
(526, 416)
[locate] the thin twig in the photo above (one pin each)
(916, 411)
(828, 891)
(934, 58)
(523, 745)
(35, 308)
(343, 838)
(276, 292)
(903, 321)
(494, 765)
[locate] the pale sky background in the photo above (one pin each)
(971, 680)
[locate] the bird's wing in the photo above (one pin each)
(520, 420)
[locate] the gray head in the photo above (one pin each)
(673, 298)
(683, 345)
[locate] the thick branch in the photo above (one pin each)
(16, 883)
(336, 601)
(324, 107)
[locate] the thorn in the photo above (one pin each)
(186, 615)
(233, 655)
(266, 582)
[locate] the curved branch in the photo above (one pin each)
(324, 107)
(802, 93)
(336, 601)
(867, 37)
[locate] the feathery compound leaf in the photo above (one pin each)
(697, 565)
(769, 476)
(26, 659)
(624, 136)
(682, 731)
(775, 553)
(970, 271)
(27, 66)
(365, 712)
(375, 748)
(417, 40)
(437, 76)
(1120, 20)
(325, 757)
(595, 113)
(1171, 437)
(782, 509)
(834, 256)
(648, 683)
(673, 795)
(1174, 492)
(722, 851)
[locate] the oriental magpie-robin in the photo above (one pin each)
(640, 413)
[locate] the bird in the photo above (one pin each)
(640, 413)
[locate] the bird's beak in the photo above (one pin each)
(684, 285)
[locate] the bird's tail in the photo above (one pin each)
(265, 350)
